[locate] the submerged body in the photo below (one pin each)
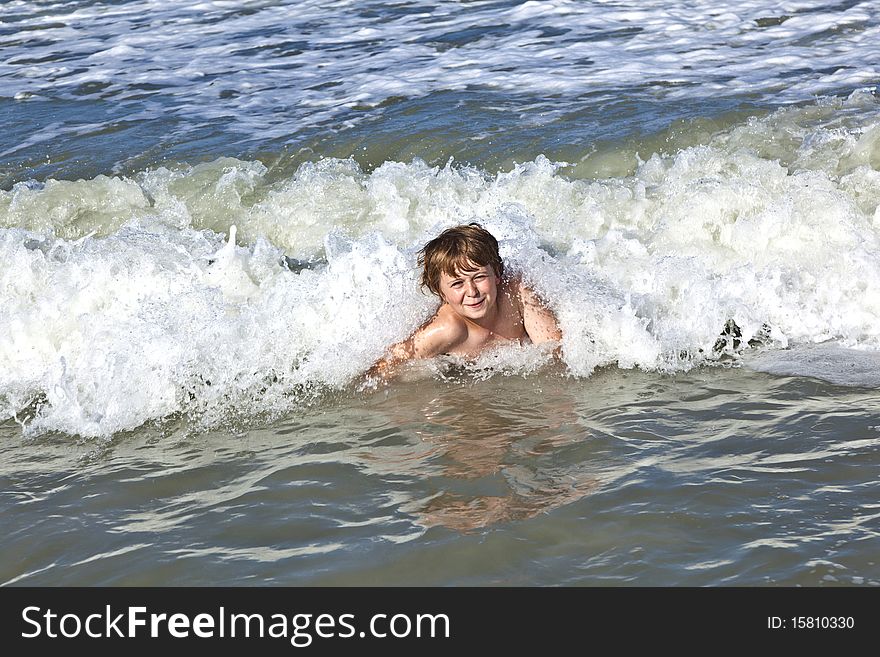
(480, 307)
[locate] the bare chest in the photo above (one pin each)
(508, 328)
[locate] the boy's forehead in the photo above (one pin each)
(466, 268)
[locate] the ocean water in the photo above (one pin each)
(209, 217)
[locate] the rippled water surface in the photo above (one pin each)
(717, 477)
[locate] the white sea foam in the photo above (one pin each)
(212, 292)
(307, 63)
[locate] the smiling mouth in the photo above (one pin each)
(476, 305)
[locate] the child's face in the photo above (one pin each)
(471, 294)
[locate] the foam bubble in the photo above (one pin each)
(214, 291)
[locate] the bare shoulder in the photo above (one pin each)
(522, 294)
(538, 318)
(444, 331)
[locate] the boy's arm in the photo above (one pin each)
(432, 338)
(539, 321)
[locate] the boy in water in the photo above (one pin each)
(480, 306)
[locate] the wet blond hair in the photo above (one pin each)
(458, 249)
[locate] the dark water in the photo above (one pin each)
(96, 87)
(716, 477)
